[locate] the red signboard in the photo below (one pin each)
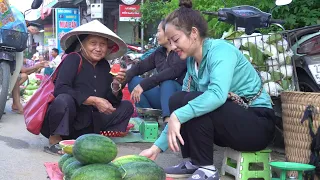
(129, 13)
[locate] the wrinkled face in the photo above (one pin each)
(162, 39)
(180, 42)
(96, 47)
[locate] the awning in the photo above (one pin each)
(76, 2)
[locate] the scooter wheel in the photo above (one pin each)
(4, 84)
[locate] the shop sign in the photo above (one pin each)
(129, 13)
(66, 20)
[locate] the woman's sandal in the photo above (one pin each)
(53, 149)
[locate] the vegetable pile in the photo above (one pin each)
(269, 54)
(93, 158)
(28, 91)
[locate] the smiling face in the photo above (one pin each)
(181, 42)
(96, 47)
(161, 38)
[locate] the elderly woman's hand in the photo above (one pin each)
(104, 106)
(121, 76)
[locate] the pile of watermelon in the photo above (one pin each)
(93, 158)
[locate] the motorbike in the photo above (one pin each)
(306, 49)
(12, 45)
(249, 19)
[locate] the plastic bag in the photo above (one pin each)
(13, 19)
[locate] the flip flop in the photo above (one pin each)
(54, 150)
(16, 111)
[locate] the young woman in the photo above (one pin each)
(154, 92)
(222, 100)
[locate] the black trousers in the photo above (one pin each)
(228, 126)
(64, 118)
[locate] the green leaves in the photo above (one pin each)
(299, 13)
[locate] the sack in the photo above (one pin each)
(36, 108)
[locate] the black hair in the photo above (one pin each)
(184, 18)
(55, 50)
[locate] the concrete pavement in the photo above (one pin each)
(22, 156)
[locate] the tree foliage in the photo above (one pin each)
(299, 13)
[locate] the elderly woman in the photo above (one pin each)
(87, 96)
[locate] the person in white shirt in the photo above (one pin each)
(56, 58)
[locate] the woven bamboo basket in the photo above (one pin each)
(296, 135)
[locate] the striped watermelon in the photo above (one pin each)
(97, 172)
(130, 158)
(94, 148)
(142, 171)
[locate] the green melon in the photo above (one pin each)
(63, 159)
(94, 148)
(68, 161)
(142, 171)
(130, 158)
(72, 168)
(97, 172)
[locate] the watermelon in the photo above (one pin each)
(67, 162)
(94, 148)
(115, 69)
(63, 159)
(72, 168)
(65, 143)
(67, 149)
(67, 146)
(142, 171)
(97, 172)
(130, 158)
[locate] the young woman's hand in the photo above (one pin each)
(136, 93)
(151, 153)
(104, 106)
(174, 126)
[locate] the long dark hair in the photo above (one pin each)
(184, 18)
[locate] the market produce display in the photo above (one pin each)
(28, 91)
(93, 157)
(270, 55)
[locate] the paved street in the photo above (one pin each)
(22, 158)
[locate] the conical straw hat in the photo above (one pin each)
(117, 47)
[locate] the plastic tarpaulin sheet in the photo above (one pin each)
(11, 18)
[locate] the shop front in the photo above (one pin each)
(58, 17)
